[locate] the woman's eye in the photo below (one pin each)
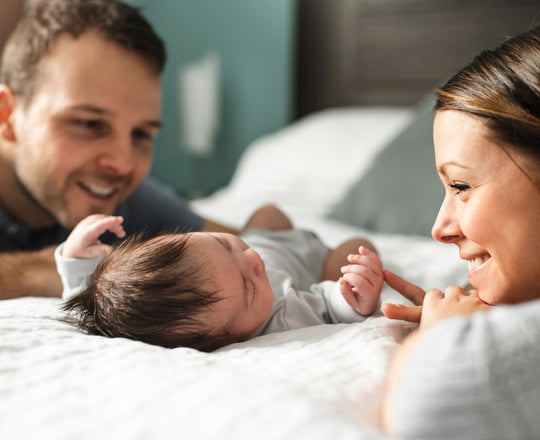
(459, 187)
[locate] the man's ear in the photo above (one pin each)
(7, 105)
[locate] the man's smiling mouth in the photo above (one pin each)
(103, 192)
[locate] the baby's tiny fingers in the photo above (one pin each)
(97, 250)
(367, 257)
(108, 223)
(348, 293)
(372, 274)
(359, 283)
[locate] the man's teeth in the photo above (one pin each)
(476, 262)
(99, 190)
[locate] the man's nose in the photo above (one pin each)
(118, 158)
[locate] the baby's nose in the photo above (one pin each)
(255, 261)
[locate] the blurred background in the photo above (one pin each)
(240, 69)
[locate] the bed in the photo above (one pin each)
(342, 169)
(58, 383)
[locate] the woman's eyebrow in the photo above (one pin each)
(442, 168)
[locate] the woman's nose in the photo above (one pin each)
(446, 227)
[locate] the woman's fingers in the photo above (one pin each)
(402, 312)
(408, 290)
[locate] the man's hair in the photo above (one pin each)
(46, 20)
(151, 289)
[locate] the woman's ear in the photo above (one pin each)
(7, 105)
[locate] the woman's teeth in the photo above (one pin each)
(476, 262)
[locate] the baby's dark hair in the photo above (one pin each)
(151, 289)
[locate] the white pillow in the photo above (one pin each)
(313, 161)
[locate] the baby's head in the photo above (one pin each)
(199, 290)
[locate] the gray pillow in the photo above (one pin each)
(401, 192)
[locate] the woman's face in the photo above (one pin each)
(491, 209)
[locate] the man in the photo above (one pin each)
(80, 97)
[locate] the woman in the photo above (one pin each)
(477, 375)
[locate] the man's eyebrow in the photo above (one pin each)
(102, 112)
(91, 109)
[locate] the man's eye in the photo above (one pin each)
(142, 134)
(86, 128)
(90, 124)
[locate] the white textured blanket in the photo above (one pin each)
(313, 383)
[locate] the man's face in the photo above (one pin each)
(84, 140)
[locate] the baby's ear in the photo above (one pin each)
(7, 104)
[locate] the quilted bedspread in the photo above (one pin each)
(314, 383)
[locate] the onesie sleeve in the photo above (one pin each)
(473, 378)
(339, 311)
(74, 272)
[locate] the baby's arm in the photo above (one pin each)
(77, 258)
(83, 241)
(362, 281)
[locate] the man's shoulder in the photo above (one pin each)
(155, 206)
(150, 190)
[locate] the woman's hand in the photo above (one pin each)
(432, 306)
(453, 301)
(410, 291)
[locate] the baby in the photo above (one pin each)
(208, 290)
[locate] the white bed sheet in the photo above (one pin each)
(315, 383)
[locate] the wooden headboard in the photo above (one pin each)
(393, 52)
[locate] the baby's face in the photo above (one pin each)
(239, 273)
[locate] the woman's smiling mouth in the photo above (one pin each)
(475, 263)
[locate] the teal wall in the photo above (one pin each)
(255, 42)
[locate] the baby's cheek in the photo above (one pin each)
(269, 299)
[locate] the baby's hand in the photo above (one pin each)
(362, 281)
(83, 241)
